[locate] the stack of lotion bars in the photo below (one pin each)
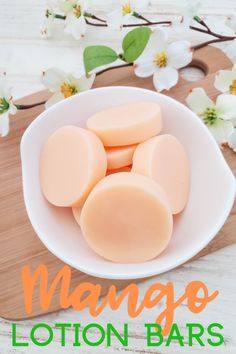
(123, 180)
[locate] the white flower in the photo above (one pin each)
(75, 23)
(46, 28)
(64, 85)
(6, 106)
(123, 14)
(225, 81)
(231, 22)
(162, 60)
(217, 116)
(232, 141)
(188, 12)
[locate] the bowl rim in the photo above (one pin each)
(109, 275)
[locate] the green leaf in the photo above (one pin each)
(98, 55)
(135, 42)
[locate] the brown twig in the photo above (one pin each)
(148, 24)
(95, 24)
(131, 24)
(114, 67)
(98, 19)
(216, 40)
(28, 106)
(141, 17)
(203, 23)
(217, 35)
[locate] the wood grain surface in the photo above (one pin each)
(18, 243)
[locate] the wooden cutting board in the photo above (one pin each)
(20, 246)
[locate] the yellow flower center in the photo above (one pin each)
(161, 59)
(77, 11)
(126, 9)
(232, 87)
(68, 90)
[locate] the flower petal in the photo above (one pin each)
(232, 140)
(126, 19)
(144, 67)
(4, 124)
(12, 109)
(233, 121)
(226, 106)
(224, 79)
(179, 54)
(57, 97)
(84, 83)
(53, 78)
(5, 89)
(188, 10)
(178, 27)
(198, 101)
(85, 4)
(75, 26)
(156, 43)
(2, 85)
(46, 28)
(192, 8)
(221, 130)
(66, 5)
(115, 20)
(165, 78)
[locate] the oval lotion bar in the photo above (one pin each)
(127, 218)
(164, 159)
(72, 161)
(76, 211)
(127, 124)
(118, 157)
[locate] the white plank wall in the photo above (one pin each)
(24, 55)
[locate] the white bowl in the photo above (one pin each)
(211, 197)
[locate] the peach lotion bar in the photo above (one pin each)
(72, 161)
(164, 159)
(76, 211)
(121, 156)
(127, 218)
(127, 124)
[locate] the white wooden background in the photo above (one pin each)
(24, 55)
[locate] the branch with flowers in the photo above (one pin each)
(147, 49)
